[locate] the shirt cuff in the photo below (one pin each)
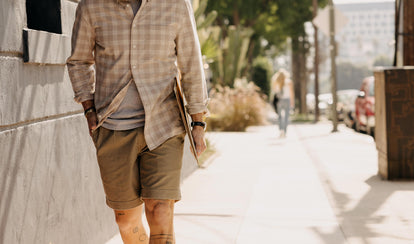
(198, 108)
(82, 97)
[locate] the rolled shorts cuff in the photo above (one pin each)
(117, 205)
(161, 194)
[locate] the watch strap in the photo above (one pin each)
(198, 123)
(89, 110)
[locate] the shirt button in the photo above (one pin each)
(135, 46)
(134, 67)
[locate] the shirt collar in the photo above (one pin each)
(127, 1)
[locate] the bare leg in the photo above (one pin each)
(130, 225)
(160, 215)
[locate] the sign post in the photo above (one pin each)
(332, 48)
(330, 20)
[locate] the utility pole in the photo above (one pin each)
(316, 61)
(332, 48)
(408, 35)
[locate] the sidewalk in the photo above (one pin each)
(311, 187)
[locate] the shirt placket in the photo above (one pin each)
(133, 46)
(134, 41)
(126, 9)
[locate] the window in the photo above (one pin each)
(44, 15)
(43, 40)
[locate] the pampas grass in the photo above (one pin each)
(234, 109)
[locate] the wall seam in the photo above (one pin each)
(5, 128)
(11, 54)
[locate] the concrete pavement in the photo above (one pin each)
(311, 187)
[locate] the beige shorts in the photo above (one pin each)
(131, 172)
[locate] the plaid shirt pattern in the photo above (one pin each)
(112, 48)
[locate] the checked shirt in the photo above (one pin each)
(111, 48)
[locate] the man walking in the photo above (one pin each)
(125, 57)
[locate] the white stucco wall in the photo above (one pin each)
(29, 92)
(12, 21)
(50, 192)
(50, 188)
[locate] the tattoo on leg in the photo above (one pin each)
(142, 237)
(169, 238)
(135, 230)
(120, 214)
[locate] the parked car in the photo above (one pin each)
(365, 107)
(324, 100)
(345, 103)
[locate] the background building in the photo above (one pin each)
(369, 33)
(365, 41)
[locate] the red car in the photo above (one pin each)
(365, 107)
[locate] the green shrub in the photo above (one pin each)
(234, 109)
(261, 74)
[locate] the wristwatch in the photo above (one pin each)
(199, 123)
(89, 110)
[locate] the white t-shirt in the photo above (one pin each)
(286, 89)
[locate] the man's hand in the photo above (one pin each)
(91, 116)
(198, 134)
(199, 141)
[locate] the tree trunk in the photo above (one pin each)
(250, 53)
(304, 79)
(236, 18)
(296, 68)
(299, 76)
(316, 62)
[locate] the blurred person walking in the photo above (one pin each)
(275, 100)
(126, 55)
(282, 86)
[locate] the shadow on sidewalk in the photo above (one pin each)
(360, 222)
(356, 222)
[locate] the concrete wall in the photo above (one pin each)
(50, 189)
(49, 185)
